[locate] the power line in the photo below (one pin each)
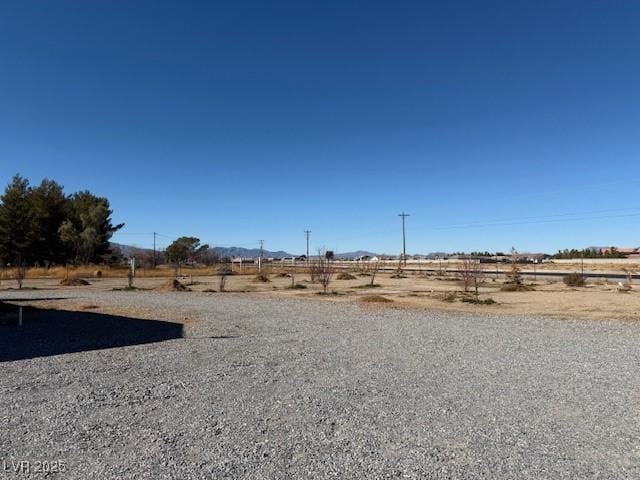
(523, 220)
(532, 222)
(588, 186)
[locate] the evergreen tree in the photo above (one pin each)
(88, 228)
(185, 249)
(48, 205)
(16, 223)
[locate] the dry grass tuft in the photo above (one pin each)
(261, 277)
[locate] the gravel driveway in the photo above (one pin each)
(267, 388)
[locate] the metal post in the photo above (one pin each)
(307, 234)
(19, 316)
(154, 250)
(404, 238)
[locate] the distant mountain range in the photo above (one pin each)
(128, 250)
(249, 252)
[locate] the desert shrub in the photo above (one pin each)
(449, 297)
(298, 286)
(514, 281)
(574, 280)
(261, 277)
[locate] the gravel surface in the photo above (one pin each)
(267, 388)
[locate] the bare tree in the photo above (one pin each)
(513, 275)
(374, 267)
(472, 275)
(324, 269)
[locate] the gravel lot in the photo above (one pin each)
(267, 388)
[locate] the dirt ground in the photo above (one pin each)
(598, 300)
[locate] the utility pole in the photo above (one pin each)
(404, 238)
(154, 249)
(307, 234)
(260, 259)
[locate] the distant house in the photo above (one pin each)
(533, 257)
(243, 260)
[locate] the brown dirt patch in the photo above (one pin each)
(375, 299)
(345, 276)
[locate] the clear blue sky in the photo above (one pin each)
(239, 121)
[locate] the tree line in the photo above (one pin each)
(588, 253)
(41, 225)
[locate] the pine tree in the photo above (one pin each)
(17, 228)
(88, 227)
(49, 205)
